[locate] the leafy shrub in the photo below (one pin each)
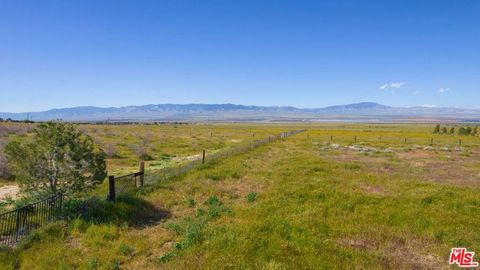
(79, 163)
(165, 257)
(251, 197)
(5, 172)
(213, 200)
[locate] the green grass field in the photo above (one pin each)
(307, 202)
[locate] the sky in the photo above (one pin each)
(308, 54)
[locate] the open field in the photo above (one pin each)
(311, 201)
(159, 145)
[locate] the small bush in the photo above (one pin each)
(191, 202)
(125, 250)
(115, 265)
(192, 228)
(9, 258)
(92, 263)
(97, 235)
(236, 175)
(427, 200)
(440, 236)
(165, 257)
(213, 200)
(50, 232)
(251, 197)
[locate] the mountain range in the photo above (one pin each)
(365, 111)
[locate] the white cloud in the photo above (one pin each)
(392, 86)
(444, 90)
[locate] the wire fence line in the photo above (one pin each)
(16, 224)
(397, 140)
(131, 182)
(170, 172)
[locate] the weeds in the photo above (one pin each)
(251, 197)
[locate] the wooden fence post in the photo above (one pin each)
(142, 172)
(431, 141)
(460, 143)
(111, 188)
(355, 138)
(203, 157)
(331, 137)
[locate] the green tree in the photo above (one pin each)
(462, 131)
(468, 131)
(452, 130)
(58, 158)
(437, 129)
(444, 130)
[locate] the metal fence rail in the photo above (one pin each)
(19, 222)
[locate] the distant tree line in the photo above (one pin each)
(9, 120)
(464, 131)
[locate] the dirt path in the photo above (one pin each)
(8, 191)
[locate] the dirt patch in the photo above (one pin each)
(9, 191)
(397, 253)
(188, 158)
(240, 188)
(400, 254)
(456, 168)
(376, 190)
(360, 244)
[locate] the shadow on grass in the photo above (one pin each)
(129, 209)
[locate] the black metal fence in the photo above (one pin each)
(19, 222)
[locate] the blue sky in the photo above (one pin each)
(300, 53)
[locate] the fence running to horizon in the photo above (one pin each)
(394, 140)
(169, 172)
(129, 183)
(15, 224)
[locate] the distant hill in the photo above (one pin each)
(366, 111)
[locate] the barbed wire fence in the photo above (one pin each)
(131, 182)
